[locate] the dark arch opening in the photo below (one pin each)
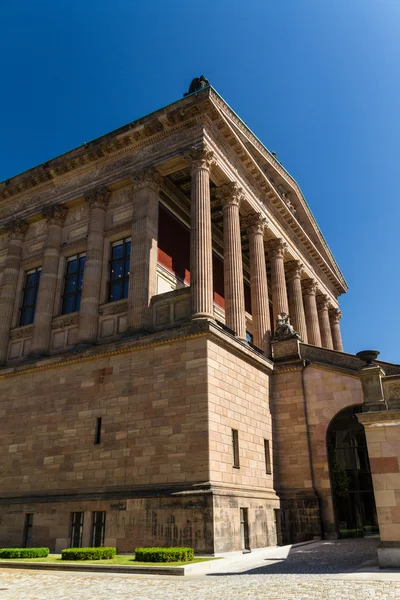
(352, 490)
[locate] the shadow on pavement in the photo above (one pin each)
(327, 557)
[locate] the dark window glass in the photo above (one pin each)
(27, 530)
(119, 270)
(235, 448)
(267, 453)
(29, 296)
(73, 284)
(97, 437)
(76, 529)
(249, 337)
(98, 529)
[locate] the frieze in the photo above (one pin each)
(392, 391)
(78, 214)
(21, 332)
(331, 357)
(65, 321)
(36, 230)
(113, 308)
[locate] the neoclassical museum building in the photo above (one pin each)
(152, 388)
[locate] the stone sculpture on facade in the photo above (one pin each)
(284, 330)
(198, 83)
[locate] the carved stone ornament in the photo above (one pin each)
(284, 330)
(55, 215)
(323, 302)
(335, 314)
(230, 194)
(255, 224)
(21, 332)
(294, 268)
(309, 286)
(276, 248)
(98, 197)
(16, 229)
(200, 157)
(62, 322)
(147, 178)
(198, 83)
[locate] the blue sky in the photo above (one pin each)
(317, 81)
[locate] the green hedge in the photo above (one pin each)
(164, 554)
(88, 553)
(24, 552)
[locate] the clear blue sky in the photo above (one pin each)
(316, 80)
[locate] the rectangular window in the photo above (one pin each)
(267, 453)
(76, 529)
(119, 270)
(235, 448)
(73, 280)
(27, 530)
(29, 296)
(97, 437)
(98, 528)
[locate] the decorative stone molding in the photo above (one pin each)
(200, 157)
(230, 194)
(21, 332)
(323, 302)
(55, 215)
(309, 287)
(294, 268)
(98, 197)
(276, 248)
(335, 314)
(16, 229)
(65, 321)
(147, 178)
(255, 223)
(114, 308)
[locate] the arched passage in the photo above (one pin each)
(352, 490)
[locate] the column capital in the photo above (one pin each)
(230, 194)
(200, 157)
(335, 314)
(323, 302)
(147, 178)
(294, 268)
(255, 224)
(55, 214)
(16, 229)
(276, 248)
(98, 197)
(309, 286)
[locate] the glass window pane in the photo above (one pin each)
(29, 297)
(38, 274)
(30, 280)
(127, 249)
(71, 266)
(116, 270)
(115, 291)
(70, 284)
(68, 304)
(126, 267)
(117, 251)
(125, 288)
(79, 282)
(77, 302)
(81, 262)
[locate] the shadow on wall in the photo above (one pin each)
(326, 557)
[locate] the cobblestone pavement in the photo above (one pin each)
(316, 572)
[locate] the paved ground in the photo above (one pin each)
(321, 571)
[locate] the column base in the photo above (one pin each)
(389, 555)
(198, 316)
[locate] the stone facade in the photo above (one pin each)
(142, 276)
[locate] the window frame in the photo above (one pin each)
(235, 448)
(96, 522)
(124, 279)
(76, 525)
(267, 457)
(24, 307)
(77, 293)
(28, 526)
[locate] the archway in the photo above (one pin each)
(352, 490)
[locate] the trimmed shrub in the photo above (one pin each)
(24, 552)
(164, 554)
(88, 553)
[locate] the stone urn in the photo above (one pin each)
(368, 356)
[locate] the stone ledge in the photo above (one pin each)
(141, 570)
(389, 555)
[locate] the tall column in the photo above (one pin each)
(277, 249)
(296, 306)
(324, 324)
(334, 316)
(201, 276)
(41, 335)
(144, 244)
(16, 232)
(256, 225)
(310, 309)
(90, 299)
(235, 318)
